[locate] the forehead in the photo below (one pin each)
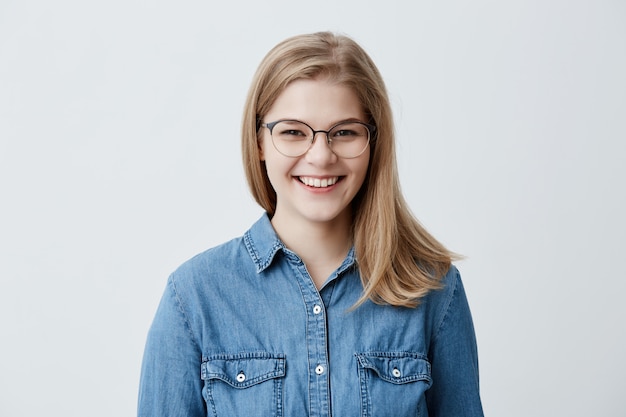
(316, 101)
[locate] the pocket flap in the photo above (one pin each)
(244, 369)
(397, 368)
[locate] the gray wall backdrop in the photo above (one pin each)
(119, 159)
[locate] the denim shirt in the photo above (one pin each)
(242, 330)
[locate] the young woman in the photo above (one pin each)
(337, 301)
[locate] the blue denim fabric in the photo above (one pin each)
(241, 330)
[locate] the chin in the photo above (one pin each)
(328, 216)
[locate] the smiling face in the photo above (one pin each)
(318, 186)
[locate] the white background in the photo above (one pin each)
(119, 159)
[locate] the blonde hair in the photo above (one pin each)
(399, 261)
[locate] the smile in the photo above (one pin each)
(319, 182)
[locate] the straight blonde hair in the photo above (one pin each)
(399, 261)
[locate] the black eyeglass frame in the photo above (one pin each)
(371, 131)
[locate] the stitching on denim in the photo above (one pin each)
(210, 395)
(251, 248)
(221, 367)
(454, 282)
(304, 291)
(278, 396)
(364, 362)
(257, 354)
(261, 262)
(181, 308)
(365, 400)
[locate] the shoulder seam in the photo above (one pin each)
(181, 308)
(454, 283)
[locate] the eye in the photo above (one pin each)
(345, 132)
(292, 132)
(348, 132)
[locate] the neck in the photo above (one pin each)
(321, 245)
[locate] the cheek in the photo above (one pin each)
(362, 167)
(275, 169)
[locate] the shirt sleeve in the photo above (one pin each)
(454, 357)
(170, 383)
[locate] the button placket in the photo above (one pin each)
(317, 342)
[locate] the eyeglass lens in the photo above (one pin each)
(294, 138)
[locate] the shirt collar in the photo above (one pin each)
(263, 243)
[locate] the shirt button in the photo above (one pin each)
(317, 309)
(241, 377)
(396, 372)
(319, 369)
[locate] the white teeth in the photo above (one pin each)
(319, 183)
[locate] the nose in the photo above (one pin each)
(320, 153)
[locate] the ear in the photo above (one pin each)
(259, 138)
(259, 142)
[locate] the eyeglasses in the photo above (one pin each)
(294, 138)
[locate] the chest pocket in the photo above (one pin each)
(393, 383)
(244, 384)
